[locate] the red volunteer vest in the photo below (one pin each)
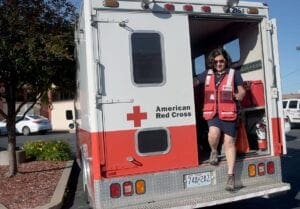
(219, 99)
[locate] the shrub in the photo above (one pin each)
(48, 150)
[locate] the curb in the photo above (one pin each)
(58, 195)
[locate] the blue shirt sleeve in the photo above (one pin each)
(201, 77)
(238, 80)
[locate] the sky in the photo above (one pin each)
(287, 14)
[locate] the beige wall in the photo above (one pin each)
(58, 115)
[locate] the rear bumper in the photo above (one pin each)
(216, 198)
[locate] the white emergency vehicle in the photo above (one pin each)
(140, 132)
(291, 109)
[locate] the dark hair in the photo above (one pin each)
(215, 53)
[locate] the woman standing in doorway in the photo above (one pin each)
(223, 88)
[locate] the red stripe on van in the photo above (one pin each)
(121, 157)
(277, 133)
(94, 143)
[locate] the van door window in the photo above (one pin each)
(199, 63)
(147, 58)
(69, 115)
(293, 104)
(233, 48)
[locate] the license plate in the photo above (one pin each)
(198, 179)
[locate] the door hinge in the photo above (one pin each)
(100, 100)
(95, 20)
(269, 26)
(274, 92)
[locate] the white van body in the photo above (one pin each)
(59, 110)
(141, 137)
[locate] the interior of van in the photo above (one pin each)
(242, 40)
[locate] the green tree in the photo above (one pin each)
(36, 51)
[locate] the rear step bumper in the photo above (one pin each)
(215, 198)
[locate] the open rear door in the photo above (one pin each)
(147, 97)
(278, 81)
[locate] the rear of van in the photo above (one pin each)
(291, 108)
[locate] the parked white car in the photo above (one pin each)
(29, 124)
(3, 129)
(291, 108)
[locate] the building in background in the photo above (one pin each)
(59, 104)
(291, 96)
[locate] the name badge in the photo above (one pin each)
(226, 93)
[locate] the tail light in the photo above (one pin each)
(140, 187)
(252, 10)
(110, 3)
(127, 188)
(270, 167)
(252, 170)
(261, 169)
(169, 7)
(188, 8)
(206, 9)
(115, 190)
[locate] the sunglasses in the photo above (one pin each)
(219, 61)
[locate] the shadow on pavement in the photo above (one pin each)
(290, 137)
(71, 189)
(291, 170)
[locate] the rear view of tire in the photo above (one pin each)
(25, 131)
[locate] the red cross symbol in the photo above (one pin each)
(137, 116)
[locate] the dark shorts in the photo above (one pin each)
(227, 127)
